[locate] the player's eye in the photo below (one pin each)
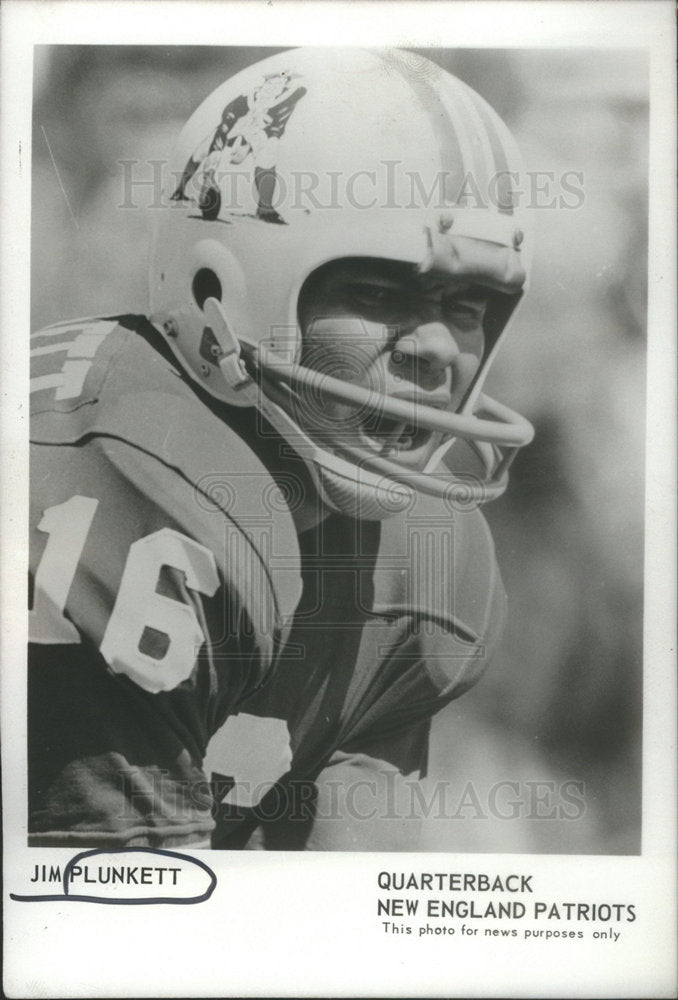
(465, 311)
(382, 300)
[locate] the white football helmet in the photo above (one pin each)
(317, 155)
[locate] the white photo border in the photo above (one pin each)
(308, 926)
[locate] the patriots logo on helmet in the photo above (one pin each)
(249, 128)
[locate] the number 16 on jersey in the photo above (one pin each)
(138, 606)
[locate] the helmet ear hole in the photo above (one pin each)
(205, 285)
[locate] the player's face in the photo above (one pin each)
(381, 325)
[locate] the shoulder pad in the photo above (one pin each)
(439, 563)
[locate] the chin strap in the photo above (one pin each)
(226, 351)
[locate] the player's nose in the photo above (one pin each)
(431, 343)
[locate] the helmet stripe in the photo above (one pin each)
(454, 144)
(504, 191)
(484, 156)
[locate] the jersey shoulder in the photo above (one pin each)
(115, 377)
(113, 380)
(124, 433)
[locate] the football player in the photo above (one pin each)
(258, 566)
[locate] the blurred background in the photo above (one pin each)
(544, 754)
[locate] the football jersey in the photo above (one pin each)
(396, 619)
(164, 573)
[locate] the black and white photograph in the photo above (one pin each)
(346, 492)
(301, 420)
